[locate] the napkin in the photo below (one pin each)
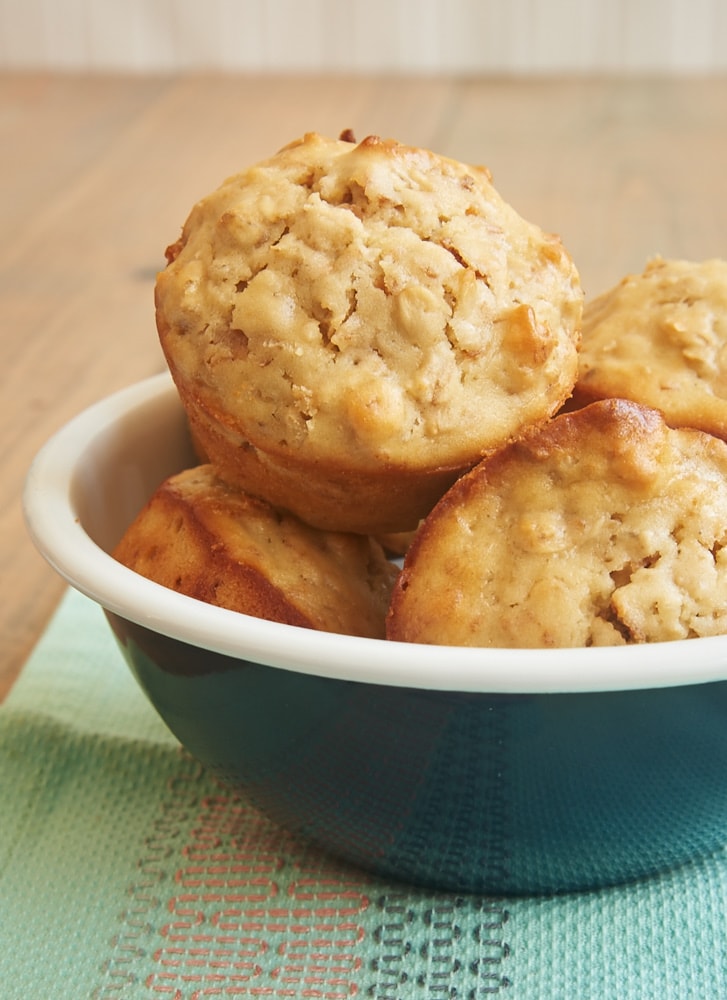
(128, 871)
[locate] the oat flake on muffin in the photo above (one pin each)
(351, 326)
(660, 338)
(200, 537)
(604, 527)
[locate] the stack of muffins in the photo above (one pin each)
(376, 353)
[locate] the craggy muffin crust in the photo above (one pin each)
(350, 326)
(605, 527)
(660, 338)
(201, 538)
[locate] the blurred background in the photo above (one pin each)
(407, 36)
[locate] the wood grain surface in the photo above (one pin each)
(99, 172)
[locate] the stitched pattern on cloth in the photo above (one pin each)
(463, 953)
(228, 904)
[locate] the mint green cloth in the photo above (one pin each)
(127, 871)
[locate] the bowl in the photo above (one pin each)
(500, 771)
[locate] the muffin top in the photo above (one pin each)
(373, 302)
(660, 338)
(201, 538)
(605, 527)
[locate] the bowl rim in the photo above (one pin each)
(53, 522)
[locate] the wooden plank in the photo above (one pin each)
(100, 172)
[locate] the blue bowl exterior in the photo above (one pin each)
(503, 794)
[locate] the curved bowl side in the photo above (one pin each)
(89, 481)
(463, 792)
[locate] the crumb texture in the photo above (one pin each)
(660, 338)
(368, 303)
(201, 538)
(606, 527)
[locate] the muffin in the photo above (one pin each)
(660, 338)
(201, 538)
(352, 326)
(604, 527)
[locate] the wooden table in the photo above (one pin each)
(98, 174)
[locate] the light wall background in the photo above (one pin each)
(361, 36)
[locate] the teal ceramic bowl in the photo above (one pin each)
(474, 770)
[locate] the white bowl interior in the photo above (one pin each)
(92, 477)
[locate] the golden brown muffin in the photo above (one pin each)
(198, 536)
(660, 338)
(605, 527)
(396, 543)
(350, 326)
